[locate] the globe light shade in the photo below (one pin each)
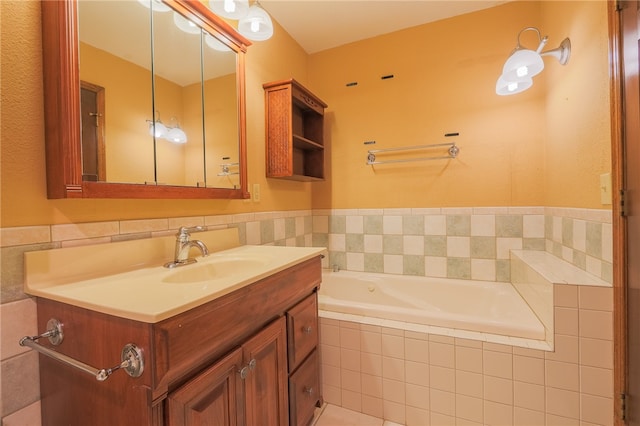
(523, 63)
(506, 87)
(257, 25)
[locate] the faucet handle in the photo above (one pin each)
(184, 231)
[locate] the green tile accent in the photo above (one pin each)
(459, 225)
(509, 226)
(12, 267)
(533, 244)
(556, 249)
(503, 270)
(337, 224)
(289, 227)
(483, 247)
(320, 240)
(374, 262)
(435, 245)
(355, 243)
(567, 232)
(413, 225)
(392, 244)
(548, 227)
(594, 239)
(580, 260)
(338, 258)
(267, 231)
(373, 224)
(413, 265)
(458, 267)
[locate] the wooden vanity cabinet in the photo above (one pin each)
(247, 386)
(230, 361)
(294, 132)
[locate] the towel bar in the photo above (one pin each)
(132, 360)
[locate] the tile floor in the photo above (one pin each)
(332, 415)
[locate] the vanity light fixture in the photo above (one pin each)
(231, 9)
(172, 134)
(523, 64)
(256, 25)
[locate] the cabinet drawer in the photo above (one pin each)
(302, 330)
(304, 391)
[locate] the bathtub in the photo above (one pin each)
(477, 306)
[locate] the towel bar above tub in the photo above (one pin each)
(452, 153)
(132, 360)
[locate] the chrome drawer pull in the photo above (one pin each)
(132, 360)
(307, 329)
(308, 391)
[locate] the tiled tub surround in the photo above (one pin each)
(419, 378)
(465, 243)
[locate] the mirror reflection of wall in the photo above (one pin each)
(116, 54)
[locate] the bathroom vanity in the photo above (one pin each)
(247, 356)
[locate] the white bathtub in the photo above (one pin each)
(480, 306)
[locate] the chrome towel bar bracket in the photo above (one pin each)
(132, 359)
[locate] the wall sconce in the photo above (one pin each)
(523, 64)
(253, 22)
(172, 134)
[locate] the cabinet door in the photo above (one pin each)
(266, 399)
(214, 397)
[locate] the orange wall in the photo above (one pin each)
(537, 148)
(577, 108)
(444, 81)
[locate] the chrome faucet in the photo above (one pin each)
(184, 244)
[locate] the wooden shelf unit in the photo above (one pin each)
(294, 132)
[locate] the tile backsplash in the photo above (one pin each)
(464, 243)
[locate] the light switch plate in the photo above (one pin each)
(256, 192)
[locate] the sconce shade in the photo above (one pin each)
(511, 87)
(184, 24)
(157, 129)
(176, 135)
(256, 25)
(522, 63)
(232, 9)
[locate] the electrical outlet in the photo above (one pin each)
(256, 193)
(605, 188)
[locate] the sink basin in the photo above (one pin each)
(211, 269)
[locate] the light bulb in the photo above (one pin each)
(522, 71)
(255, 26)
(512, 86)
(229, 6)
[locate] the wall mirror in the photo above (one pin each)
(143, 99)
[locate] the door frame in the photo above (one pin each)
(100, 136)
(619, 222)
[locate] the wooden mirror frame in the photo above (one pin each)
(61, 77)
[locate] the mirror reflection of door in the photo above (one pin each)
(93, 123)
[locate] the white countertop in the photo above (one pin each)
(152, 294)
